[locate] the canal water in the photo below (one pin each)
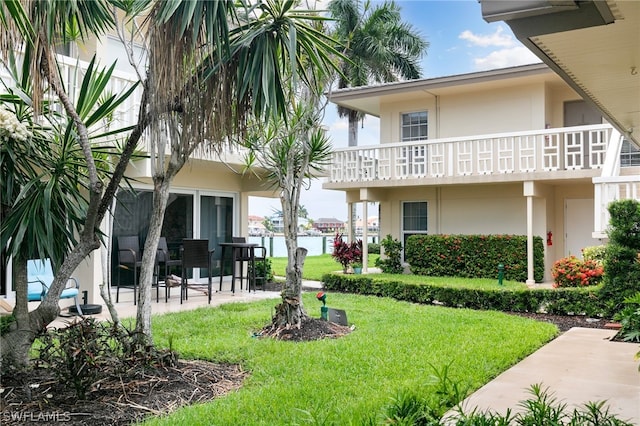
(316, 245)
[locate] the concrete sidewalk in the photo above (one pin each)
(582, 365)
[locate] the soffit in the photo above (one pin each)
(368, 99)
(602, 63)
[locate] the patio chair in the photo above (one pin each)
(242, 255)
(39, 278)
(129, 259)
(195, 254)
(165, 263)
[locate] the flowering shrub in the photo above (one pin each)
(573, 272)
(346, 253)
(11, 127)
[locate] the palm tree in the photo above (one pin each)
(60, 220)
(206, 79)
(293, 152)
(380, 48)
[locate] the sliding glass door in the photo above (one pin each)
(212, 219)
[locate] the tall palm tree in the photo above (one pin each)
(380, 48)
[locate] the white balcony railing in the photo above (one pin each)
(608, 189)
(127, 113)
(569, 148)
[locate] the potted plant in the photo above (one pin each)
(357, 267)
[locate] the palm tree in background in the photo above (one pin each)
(379, 46)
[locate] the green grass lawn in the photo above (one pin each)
(316, 266)
(343, 380)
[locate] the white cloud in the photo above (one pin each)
(502, 58)
(498, 38)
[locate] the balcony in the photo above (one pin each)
(72, 71)
(542, 154)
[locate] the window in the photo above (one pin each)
(414, 126)
(629, 155)
(414, 219)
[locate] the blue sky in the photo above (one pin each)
(460, 41)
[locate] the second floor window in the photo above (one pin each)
(414, 126)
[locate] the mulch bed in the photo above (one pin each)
(36, 398)
(566, 322)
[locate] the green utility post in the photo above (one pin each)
(500, 273)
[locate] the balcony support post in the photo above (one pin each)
(530, 276)
(365, 237)
(530, 190)
(351, 221)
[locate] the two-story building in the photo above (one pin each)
(506, 151)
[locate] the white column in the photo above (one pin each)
(530, 277)
(365, 237)
(350, 222)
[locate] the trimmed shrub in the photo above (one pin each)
(373, 248)
(473, 256)
(573, 272)
(391, 262)
(561, 301)
(622, 264)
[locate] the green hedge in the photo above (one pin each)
(473, 256)
(562, 301)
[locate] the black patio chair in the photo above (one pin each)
(129, 259)
(195, 254)
(165, 263)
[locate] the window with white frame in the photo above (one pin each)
(414, 219)
(414, 126)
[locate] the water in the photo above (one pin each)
(315, 245)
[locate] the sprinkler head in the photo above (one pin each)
(322, 297)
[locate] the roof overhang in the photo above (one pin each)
(368, 99)
(594, 45)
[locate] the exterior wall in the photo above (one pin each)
(532, 106)
(480, 112)
(390, 116)
(491, 209)
(493, 111)
(485, 209)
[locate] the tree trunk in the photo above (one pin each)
(353, 128)
(15, 343)
(105, 256)
(147, 270)
(290, 312)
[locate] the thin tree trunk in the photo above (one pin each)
(143, 313)
(105, 287)
(16, 343)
